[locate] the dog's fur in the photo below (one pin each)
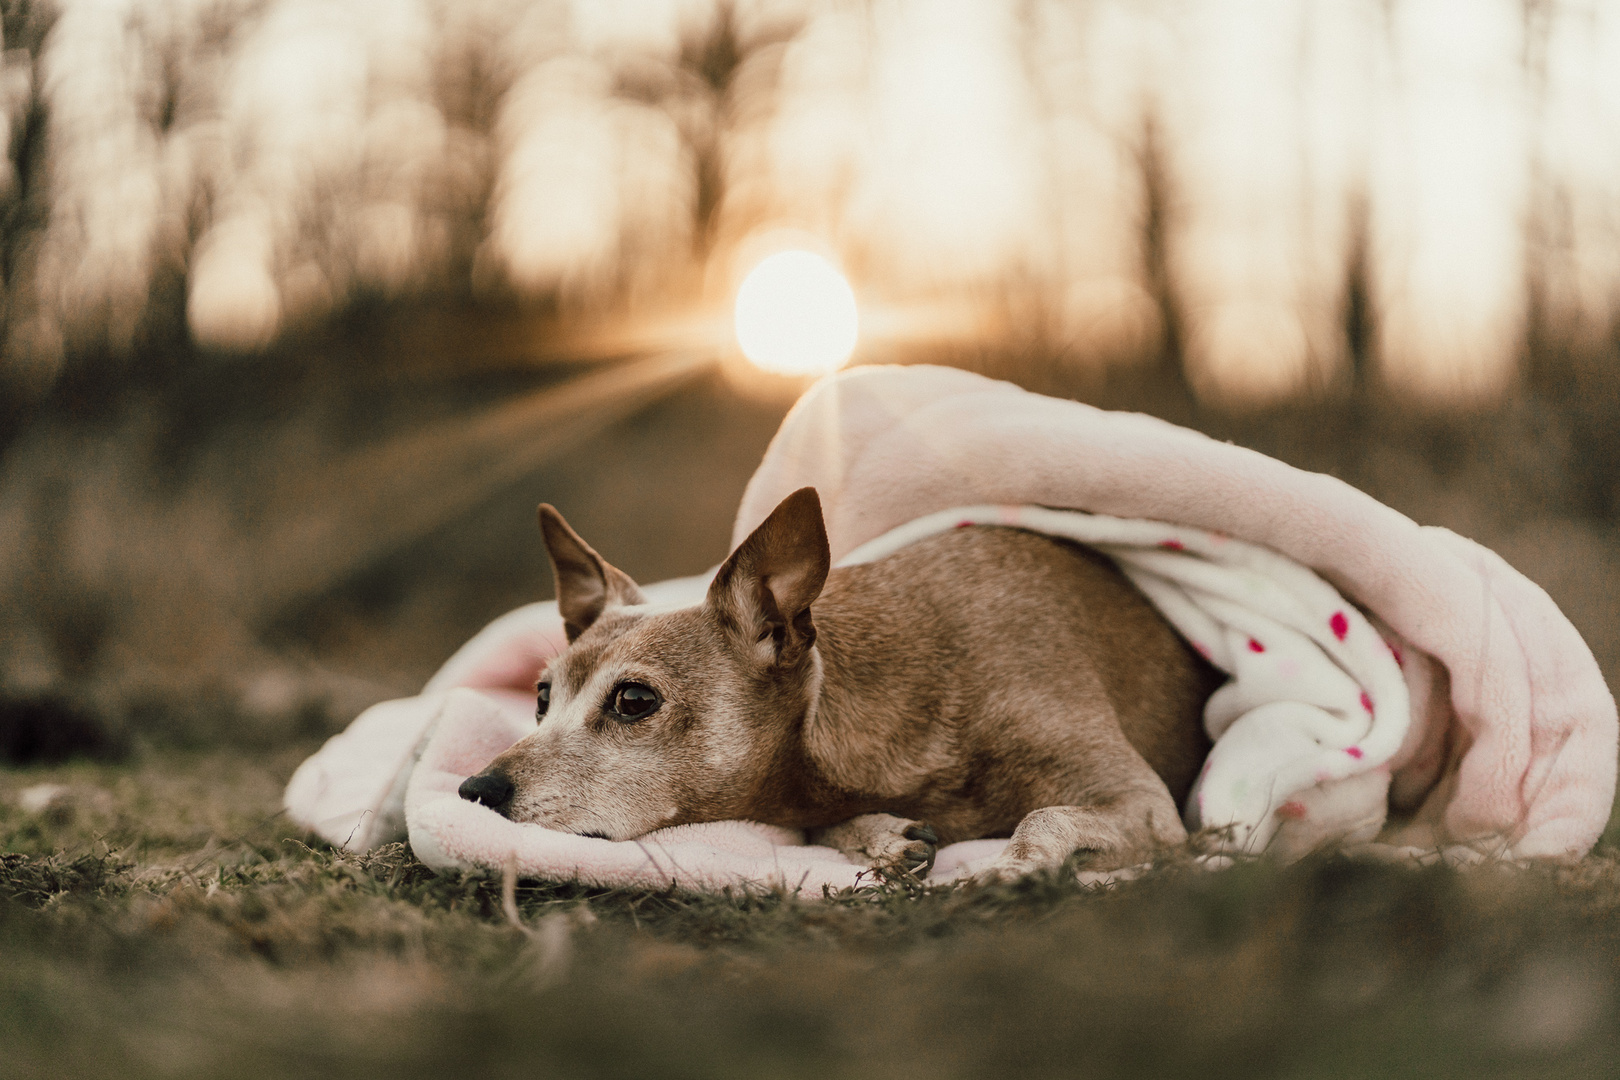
(986, 682)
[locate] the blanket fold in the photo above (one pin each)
(1397, 666)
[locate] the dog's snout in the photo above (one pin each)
(493, 789)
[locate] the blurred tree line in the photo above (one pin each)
(306, 305)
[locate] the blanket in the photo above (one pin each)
(1504, 747)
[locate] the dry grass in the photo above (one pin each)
(161, 919)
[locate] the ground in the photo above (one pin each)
(161, 918)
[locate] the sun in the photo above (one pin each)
(796, 314)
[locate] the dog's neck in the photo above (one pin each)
(794, 788)
(835, 759)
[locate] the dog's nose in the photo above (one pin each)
(492, 789)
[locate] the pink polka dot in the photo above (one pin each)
(1355, 752)
(1255, 646)
(1292, 809)
(1172, 545)
(963, 524)
(1400, 661)
(1366, 702)
(1339, 625)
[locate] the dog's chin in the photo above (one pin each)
(591, 826)
(556, 826)
(528, 816)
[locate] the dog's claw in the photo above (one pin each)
(922, 831)
(917, 857)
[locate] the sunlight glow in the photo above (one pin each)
(1460, 156)
(796, 315)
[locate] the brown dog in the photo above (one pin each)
(984, 682)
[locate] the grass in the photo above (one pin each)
(162, 919)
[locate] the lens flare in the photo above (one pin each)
(796, 315)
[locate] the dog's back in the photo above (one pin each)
(994, 667)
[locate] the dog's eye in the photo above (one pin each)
(633, 700)
(543, 700)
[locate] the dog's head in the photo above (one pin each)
(657, 716)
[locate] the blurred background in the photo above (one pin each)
(305, 304)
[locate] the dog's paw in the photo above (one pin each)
(1003, 871)
(906, 847)
(1087, 867)
(912, 852)
(886, 843)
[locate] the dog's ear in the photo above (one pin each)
(587, 584)
(763, 592)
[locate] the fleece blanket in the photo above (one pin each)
(1507, 747)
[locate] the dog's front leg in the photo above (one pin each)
(1121, 832)
(883, 842)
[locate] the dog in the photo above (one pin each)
(985, 682)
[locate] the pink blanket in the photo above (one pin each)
(1511, 749)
